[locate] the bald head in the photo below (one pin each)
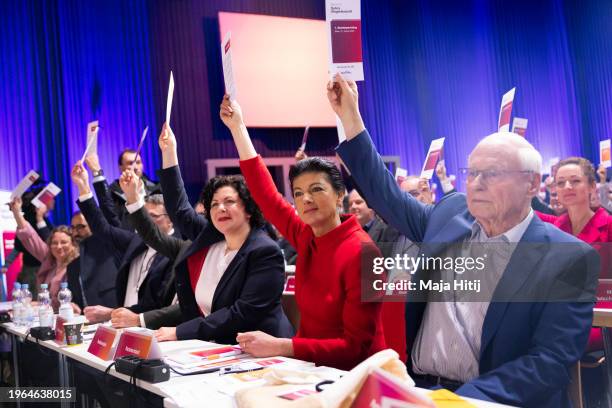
(516, 146)
(503, 177)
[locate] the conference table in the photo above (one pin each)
(178, 392)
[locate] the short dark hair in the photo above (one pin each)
(124, 151)
(585, 165)
(237, 183)
(318, 165)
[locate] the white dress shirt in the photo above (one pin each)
(215, 264)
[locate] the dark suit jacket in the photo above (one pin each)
(248, 296)
(169, 316)
(112, 200)
(384, 236)
(128, 245)
(527, 347)
(92, 276)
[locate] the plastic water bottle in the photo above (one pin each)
(26, 300)
(45, 311)
(65, 298)
(17, 305)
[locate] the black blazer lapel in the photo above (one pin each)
(234, 266)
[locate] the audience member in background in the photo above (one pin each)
(92, 276)
(54, 255)
(556, 206)
(575, 186)
(336, 328)
(230, 279)
(605, 189)
(140, 265)
(418, 188)
(445, 181)
(517, 353)
(114, 208)
(37, 217)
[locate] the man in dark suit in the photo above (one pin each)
(141, 266)
(91, 276)
(517, 344)
(114, 208)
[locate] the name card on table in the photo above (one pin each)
(104, 343)
(138, 342)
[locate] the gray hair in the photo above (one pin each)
(156, 199)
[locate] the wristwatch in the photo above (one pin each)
(98, 173)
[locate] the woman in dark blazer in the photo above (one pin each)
(231, 277)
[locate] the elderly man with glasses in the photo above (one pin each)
(516, 342)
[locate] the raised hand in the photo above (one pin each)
(167, 140)
(343, 98)
(167, 144)
(300, 155)
(441, 170)
(80, 178)
(15, 205)
(93, 162)
(601, 172)
(230, 113)
(131, 185)
(41, 212)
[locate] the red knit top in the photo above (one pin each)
(336, 328)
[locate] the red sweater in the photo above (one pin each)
(336, 328)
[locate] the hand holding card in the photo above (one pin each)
(435, 150)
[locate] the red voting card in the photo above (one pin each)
(346, 41)
(505, 111)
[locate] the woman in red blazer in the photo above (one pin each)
(337, 328)
(575, 184)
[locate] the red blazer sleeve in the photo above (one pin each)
(360, 321)
(274, 207)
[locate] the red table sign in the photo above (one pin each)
(102, 344)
